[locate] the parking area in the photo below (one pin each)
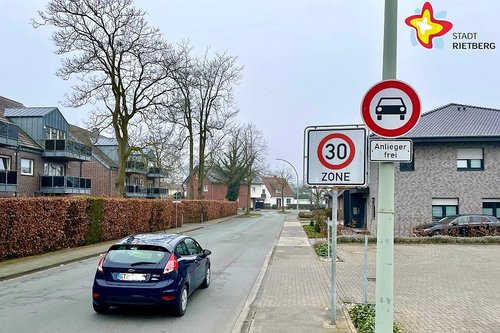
(437, 287)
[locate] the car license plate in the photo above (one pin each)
(131, 277)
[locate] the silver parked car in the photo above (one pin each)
(460, 225)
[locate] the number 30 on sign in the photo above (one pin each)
(336, 156)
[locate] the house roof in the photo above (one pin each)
(272, 185)
(8, 103)
(458, 121)
(105, 141)
(29, 112)
(24, 139)
(84, 136)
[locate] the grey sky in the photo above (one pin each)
(307, 62)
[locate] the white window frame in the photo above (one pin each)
(31, 164)
(444, 203)
(467, 159)
(205, 188)
(47, 167)
(9, 161)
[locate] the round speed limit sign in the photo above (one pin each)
(336, 156)
(336, 151)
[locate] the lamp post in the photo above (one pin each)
(297, 174)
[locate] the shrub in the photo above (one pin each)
(95, 233)
(363, 318)
(36, 225)
(310, 231)
(305, 214)
(321, 248)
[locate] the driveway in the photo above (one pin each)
(437, 287)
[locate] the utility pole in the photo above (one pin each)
(384, 305)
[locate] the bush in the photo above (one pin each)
(363, 318)
(36, 225)
(305, 214)
(321, 249)
(95, 233)
(310, 231)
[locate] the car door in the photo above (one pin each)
(187, 262)
(199, 263)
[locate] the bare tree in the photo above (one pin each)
(317, 196)
(230, 164)
(204, 105)
(284, 176)
(163, 141)
(118, 59)
(255, 148)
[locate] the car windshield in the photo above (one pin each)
(135, 254)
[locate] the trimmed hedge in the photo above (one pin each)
(37, 225)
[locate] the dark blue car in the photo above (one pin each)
(151, 269)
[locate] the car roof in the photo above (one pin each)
(159, 239)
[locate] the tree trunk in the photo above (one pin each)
(191, 169)
(122, 162)
(249, 193)
(201, 165)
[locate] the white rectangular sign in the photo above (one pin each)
(391, 150)
(336, 156)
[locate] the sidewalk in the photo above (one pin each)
(17, 267)
(294, 295)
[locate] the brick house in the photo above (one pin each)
(37, 146)
(42, 154)
(264, 191)
(455, 169)
(213, 189)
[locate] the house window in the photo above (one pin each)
(54, 134)
(491, 207)
(253, 188)
(373, 208)
(409, 166)
(50, 169)
(26, 167)
(288, 201)
(263, 191)
(4, 163)
(205, 188)
(470, 159)
(442, 207)
(278, 190)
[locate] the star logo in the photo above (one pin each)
(427, 27)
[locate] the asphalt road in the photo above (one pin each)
(58, 299)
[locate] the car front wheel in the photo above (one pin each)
(181, 305)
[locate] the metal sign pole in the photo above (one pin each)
(333, 305)
(384, 306)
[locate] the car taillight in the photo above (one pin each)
(172, 264)
(99, 264)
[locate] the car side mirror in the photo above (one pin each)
(206, 253)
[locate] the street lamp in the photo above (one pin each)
(297, 174)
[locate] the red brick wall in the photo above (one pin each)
(28, 185)
(218, 191)
(103, 179)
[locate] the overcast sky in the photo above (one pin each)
(307, 62)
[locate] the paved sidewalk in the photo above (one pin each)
(18, 267)
(294, 295)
